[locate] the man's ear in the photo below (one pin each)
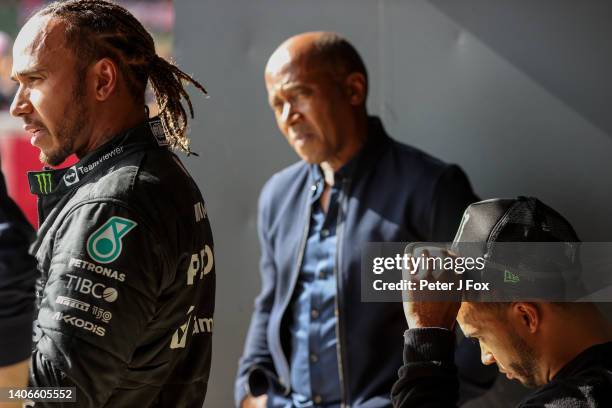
(104, 73)
(526, 316)
(356, 88)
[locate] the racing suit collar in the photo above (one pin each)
(149, 134)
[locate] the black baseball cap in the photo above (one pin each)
(523, 219)
(501, 230)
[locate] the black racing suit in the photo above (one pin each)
(126, 296)
(17, 277)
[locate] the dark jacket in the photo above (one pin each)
(17, 277)
(127, 290)
(395, 193)
(428, 377)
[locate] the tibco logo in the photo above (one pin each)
(88, 287)
(80, 323)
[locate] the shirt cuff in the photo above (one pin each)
(258, 382)
(429, 344)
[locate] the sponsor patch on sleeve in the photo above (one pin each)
(105, 244)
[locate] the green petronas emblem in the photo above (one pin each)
(105, 244)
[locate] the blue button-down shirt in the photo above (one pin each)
(315, 378)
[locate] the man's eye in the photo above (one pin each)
(299, 93)
(302, 93)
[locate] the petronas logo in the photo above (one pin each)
(44, 182)
(105, 245)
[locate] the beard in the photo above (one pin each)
(58, 155)
(525, 367)
(76, 119)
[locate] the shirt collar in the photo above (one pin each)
(51, 181)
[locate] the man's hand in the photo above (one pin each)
(423, 313)
(431, 314)
(254, 402)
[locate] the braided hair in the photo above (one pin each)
(97, 29)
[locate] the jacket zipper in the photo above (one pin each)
(295, 276)
(343, 375)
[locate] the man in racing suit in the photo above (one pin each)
(125, 250)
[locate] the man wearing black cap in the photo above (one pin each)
(563, 348)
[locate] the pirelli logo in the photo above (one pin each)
(73, 303)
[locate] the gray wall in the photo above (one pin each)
(515, 92)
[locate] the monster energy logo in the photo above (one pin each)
(105, 244)
(44, 182)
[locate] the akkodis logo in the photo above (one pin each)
(105, 244)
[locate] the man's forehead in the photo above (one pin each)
(297, 73)
(41, 35)
(295, 63)
(295, 76)
(279, 62)
(285, 69)
(296, 50)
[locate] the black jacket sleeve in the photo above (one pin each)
(17, 278)
(93, 314)
(428, 378)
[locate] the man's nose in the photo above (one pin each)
(288, 114)
(21, 103)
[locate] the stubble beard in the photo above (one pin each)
(526, 366)
(76, 114)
